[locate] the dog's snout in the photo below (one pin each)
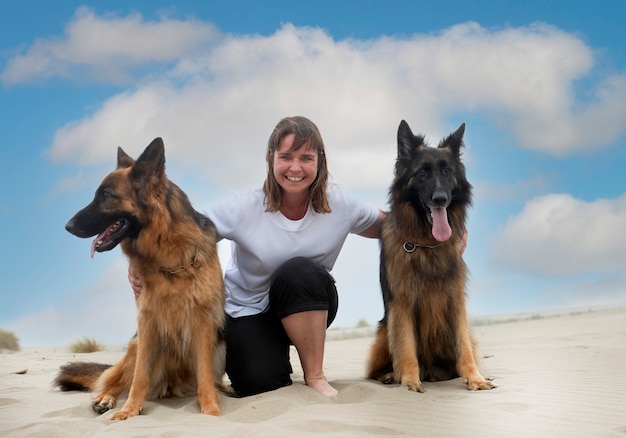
(440, 199)
(69, 226)
(74, 228)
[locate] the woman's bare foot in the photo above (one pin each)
(322, 386)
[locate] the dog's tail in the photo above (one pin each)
(79, 376)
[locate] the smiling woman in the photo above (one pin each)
(279, 290)
(296, 168)
(294, 171)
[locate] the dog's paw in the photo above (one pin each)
(211, 410)
(388, 379)
(103, 403)
(125, 413)
(208, 402)
(480, 384)
(412, 386)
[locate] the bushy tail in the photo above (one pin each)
(79, 376)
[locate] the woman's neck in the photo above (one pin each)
(294, 208)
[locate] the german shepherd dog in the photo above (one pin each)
(178, 349)
(424, 334)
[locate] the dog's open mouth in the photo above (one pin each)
(110, 237)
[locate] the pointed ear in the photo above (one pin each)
(455, 140)
(123, 159)
(151, 162)
(408, 143)
(405, 139)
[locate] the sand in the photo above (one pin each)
(557, 375)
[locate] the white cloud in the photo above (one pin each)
(104, 48)
(559, 235)
(221, 100)
(219, 105)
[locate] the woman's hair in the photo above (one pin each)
(306, 134)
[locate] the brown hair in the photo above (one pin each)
(306, 133)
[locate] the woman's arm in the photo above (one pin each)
(373, 232)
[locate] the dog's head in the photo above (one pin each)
(432, 180)
(115, 212)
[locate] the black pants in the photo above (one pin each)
(257, 346)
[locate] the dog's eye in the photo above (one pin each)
(447, 170)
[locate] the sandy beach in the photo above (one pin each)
(558, 375)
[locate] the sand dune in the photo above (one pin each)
(556, 375)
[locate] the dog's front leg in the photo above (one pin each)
(205, 350)
(116, 380)
(141, 377)
(403, 346)
(466, 360)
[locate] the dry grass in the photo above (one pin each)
(86, 345)
(8, 341)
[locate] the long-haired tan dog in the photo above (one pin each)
(178, 348)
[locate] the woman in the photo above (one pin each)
(285, 239)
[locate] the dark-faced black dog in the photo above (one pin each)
(424, 334)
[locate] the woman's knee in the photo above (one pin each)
(301, 285)
(300, 274)
(300, 269)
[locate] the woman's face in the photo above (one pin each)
(295, 171)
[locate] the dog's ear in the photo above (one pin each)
(123, 159)
(455, 140)
(407, 141)
(150, 162)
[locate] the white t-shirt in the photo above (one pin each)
(261, 242)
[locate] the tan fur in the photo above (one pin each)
(177, 350)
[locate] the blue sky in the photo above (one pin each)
(541, 86)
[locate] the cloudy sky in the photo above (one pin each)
(541, 87)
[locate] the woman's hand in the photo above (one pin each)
(135, 282)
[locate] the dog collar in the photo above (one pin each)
(194, 262)
(409, 246)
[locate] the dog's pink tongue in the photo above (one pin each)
(93, 246)
(441, 227)
(95, 241)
